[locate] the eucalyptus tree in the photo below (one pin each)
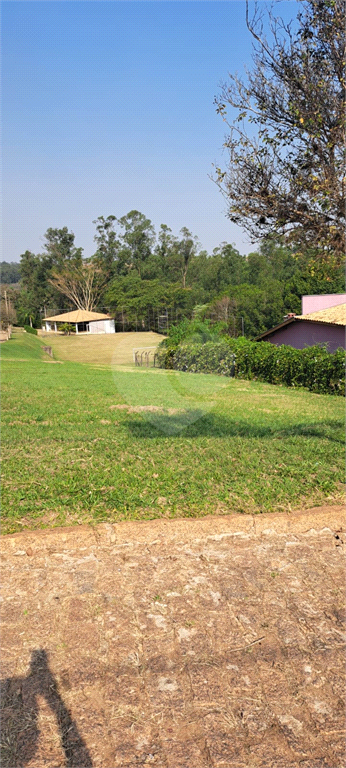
(137, 241)
(187, 248)
(108, 244)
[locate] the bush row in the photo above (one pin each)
(313, 367)
(29, 329)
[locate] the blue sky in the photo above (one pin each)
(108, 107)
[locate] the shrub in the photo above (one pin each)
(67, 329)
(196, 331)
(29, 329)
(314, 367)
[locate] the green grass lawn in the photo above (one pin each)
(182, 444)
(23, 346)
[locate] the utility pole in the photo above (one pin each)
(6, 304)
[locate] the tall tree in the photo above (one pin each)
(166, 252)
(81, 283)
(59, 247)
(108, 244)
(137, 241)
(287, 144)
(29, 265)
(39, 292)
(35, 292)
(27, 308)
(187, 248)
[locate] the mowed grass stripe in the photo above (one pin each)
(71, 455)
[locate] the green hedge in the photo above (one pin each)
(29, 329)
(315, 368)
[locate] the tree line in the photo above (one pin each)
(148, 280)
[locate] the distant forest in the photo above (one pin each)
(148, 280)
(10, 272)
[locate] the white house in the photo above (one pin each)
(85, 322)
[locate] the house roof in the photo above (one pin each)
(332, 315)
(78, 316)
(276, 328)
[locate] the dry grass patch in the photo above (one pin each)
(103, 349)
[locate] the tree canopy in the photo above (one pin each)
(82, 284)
(153, 280)
(286, 145)
(9, 272)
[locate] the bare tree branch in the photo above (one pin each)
(81, 284)
(286, 147)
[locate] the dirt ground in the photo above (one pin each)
(216, 642)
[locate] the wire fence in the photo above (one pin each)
(145, 356)
(152, 320)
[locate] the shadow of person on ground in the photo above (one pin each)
(19, 714)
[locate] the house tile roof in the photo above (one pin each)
(332, 315)
(78, 316)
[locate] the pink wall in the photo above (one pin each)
(303, 333)
(314, 303)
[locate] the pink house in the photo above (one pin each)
(322, 321)
(315, 303)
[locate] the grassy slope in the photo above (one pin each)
(100, 349)
(70, 456)
(23, 346)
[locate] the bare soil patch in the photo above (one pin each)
(216, 642)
